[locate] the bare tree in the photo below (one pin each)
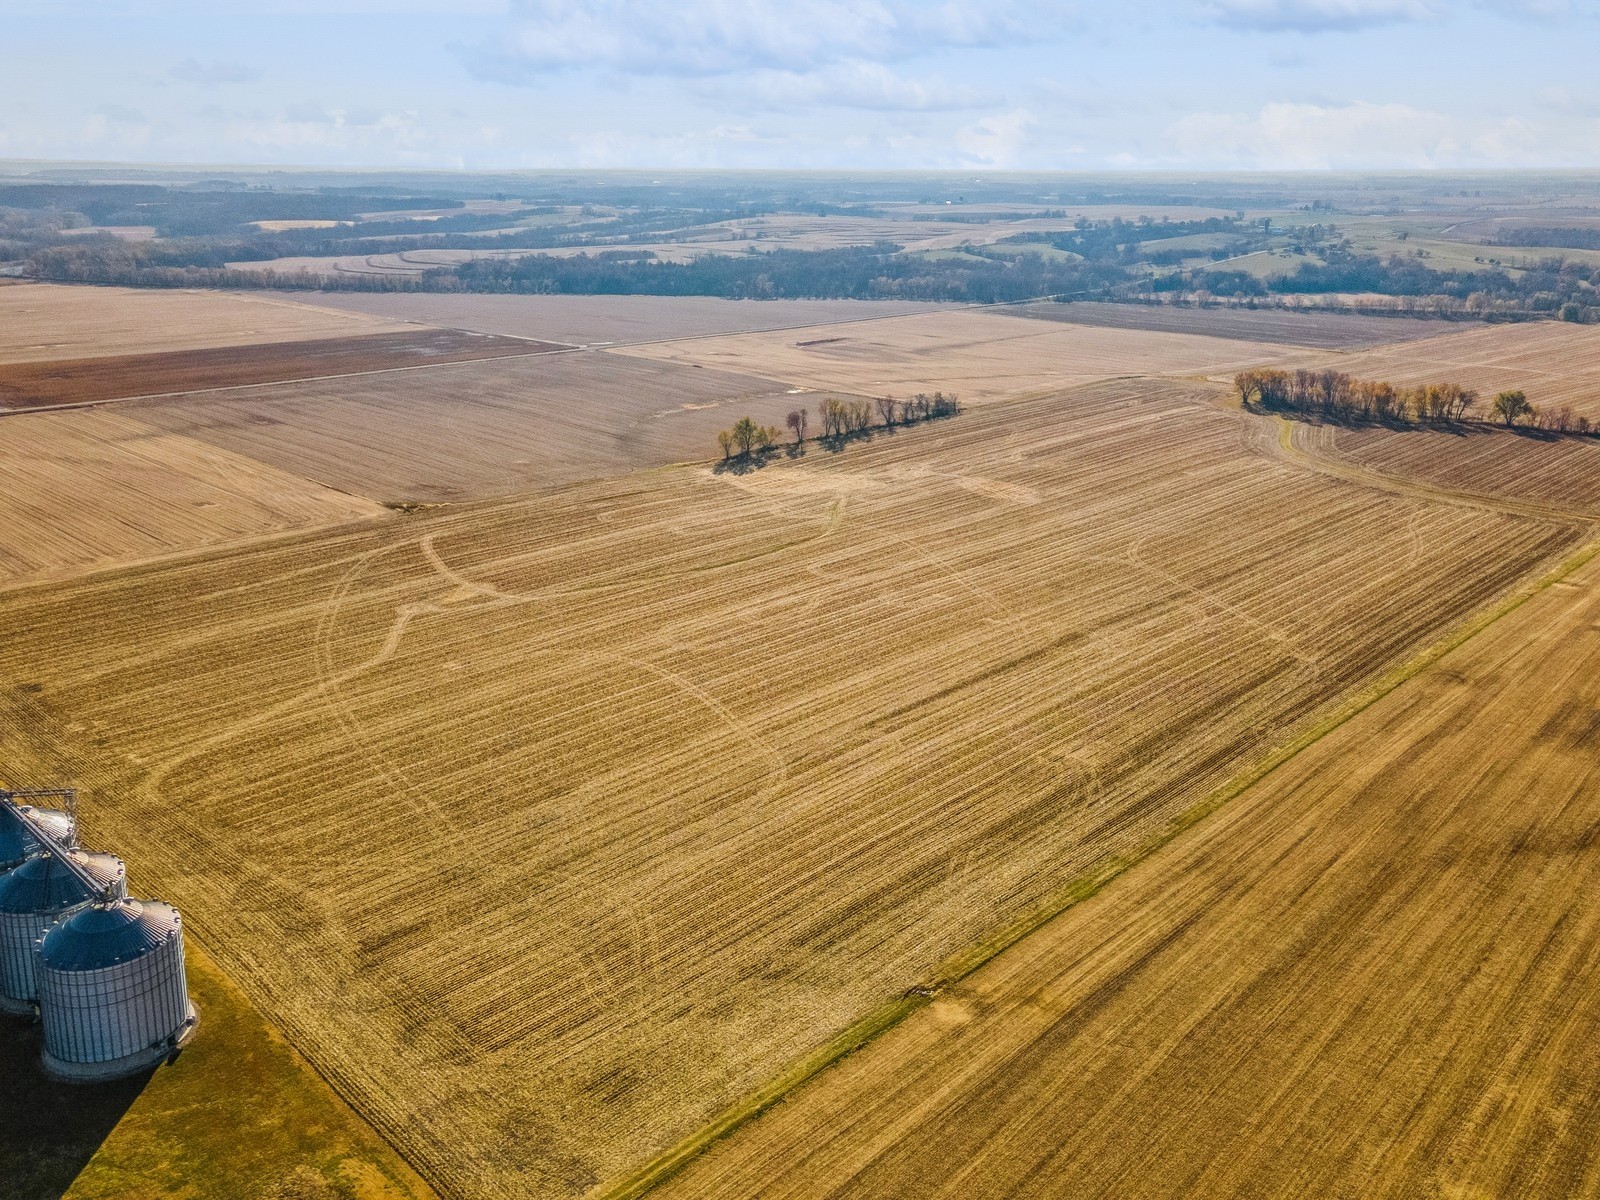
(886, 410)
(796, 421)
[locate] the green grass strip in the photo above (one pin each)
(661, 1168)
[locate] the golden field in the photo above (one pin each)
(41, 322)
(1366, 976)
(549, 828)
(566, 823)
(94, 488)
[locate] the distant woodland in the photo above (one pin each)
(153, 235)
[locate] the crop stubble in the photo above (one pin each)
(547, 828)
(88, 489)
(1562, 472)
(40, 322)
(1367, 976)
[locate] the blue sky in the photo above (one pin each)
(504, 84)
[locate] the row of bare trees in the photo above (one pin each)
(747, 438)
(1335, 396)
(1339, 397)
(841, 419)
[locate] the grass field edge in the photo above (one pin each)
(658, 1170)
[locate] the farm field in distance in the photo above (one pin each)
(1364, 976)
(639, 716)
(1329, 331)
(596, 320)
(44, 322)
(474, 430)
(86, 380)
(981, 356)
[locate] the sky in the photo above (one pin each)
(1183, 85)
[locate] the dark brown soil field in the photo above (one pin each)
(86, 380)
(1326, 331)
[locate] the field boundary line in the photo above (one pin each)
(884, 1018)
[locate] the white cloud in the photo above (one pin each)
(1293, 137)
(862, 85)
(1361, 136)
(192, 70)
(1317, 16)
(721, 37)
(995, 141)
(120, 114)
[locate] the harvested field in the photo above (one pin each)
(90, 489)
(1554, 362)
(1370, 975)
(549, 828)
(597, 320)
(86, 380)
(44, 321)
(979, 355)
(1563, 472)
(1329, 331)
(477, 430)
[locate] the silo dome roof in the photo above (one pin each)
(42, 884)
(16, 842)
(103, 935)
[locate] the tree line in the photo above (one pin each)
(1336, 396)
(841, 421)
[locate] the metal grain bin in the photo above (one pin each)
(112, 990)
(17, 840)
(32, 897)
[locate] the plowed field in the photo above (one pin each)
(549, 828)
(473, 430)
(1371, 975)
(1335, 331)
(978, 355)
(85, 380)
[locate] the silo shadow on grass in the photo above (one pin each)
(50, 1130)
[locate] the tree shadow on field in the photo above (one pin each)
(742, 464)
(49, 1130)
(1472, 427)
